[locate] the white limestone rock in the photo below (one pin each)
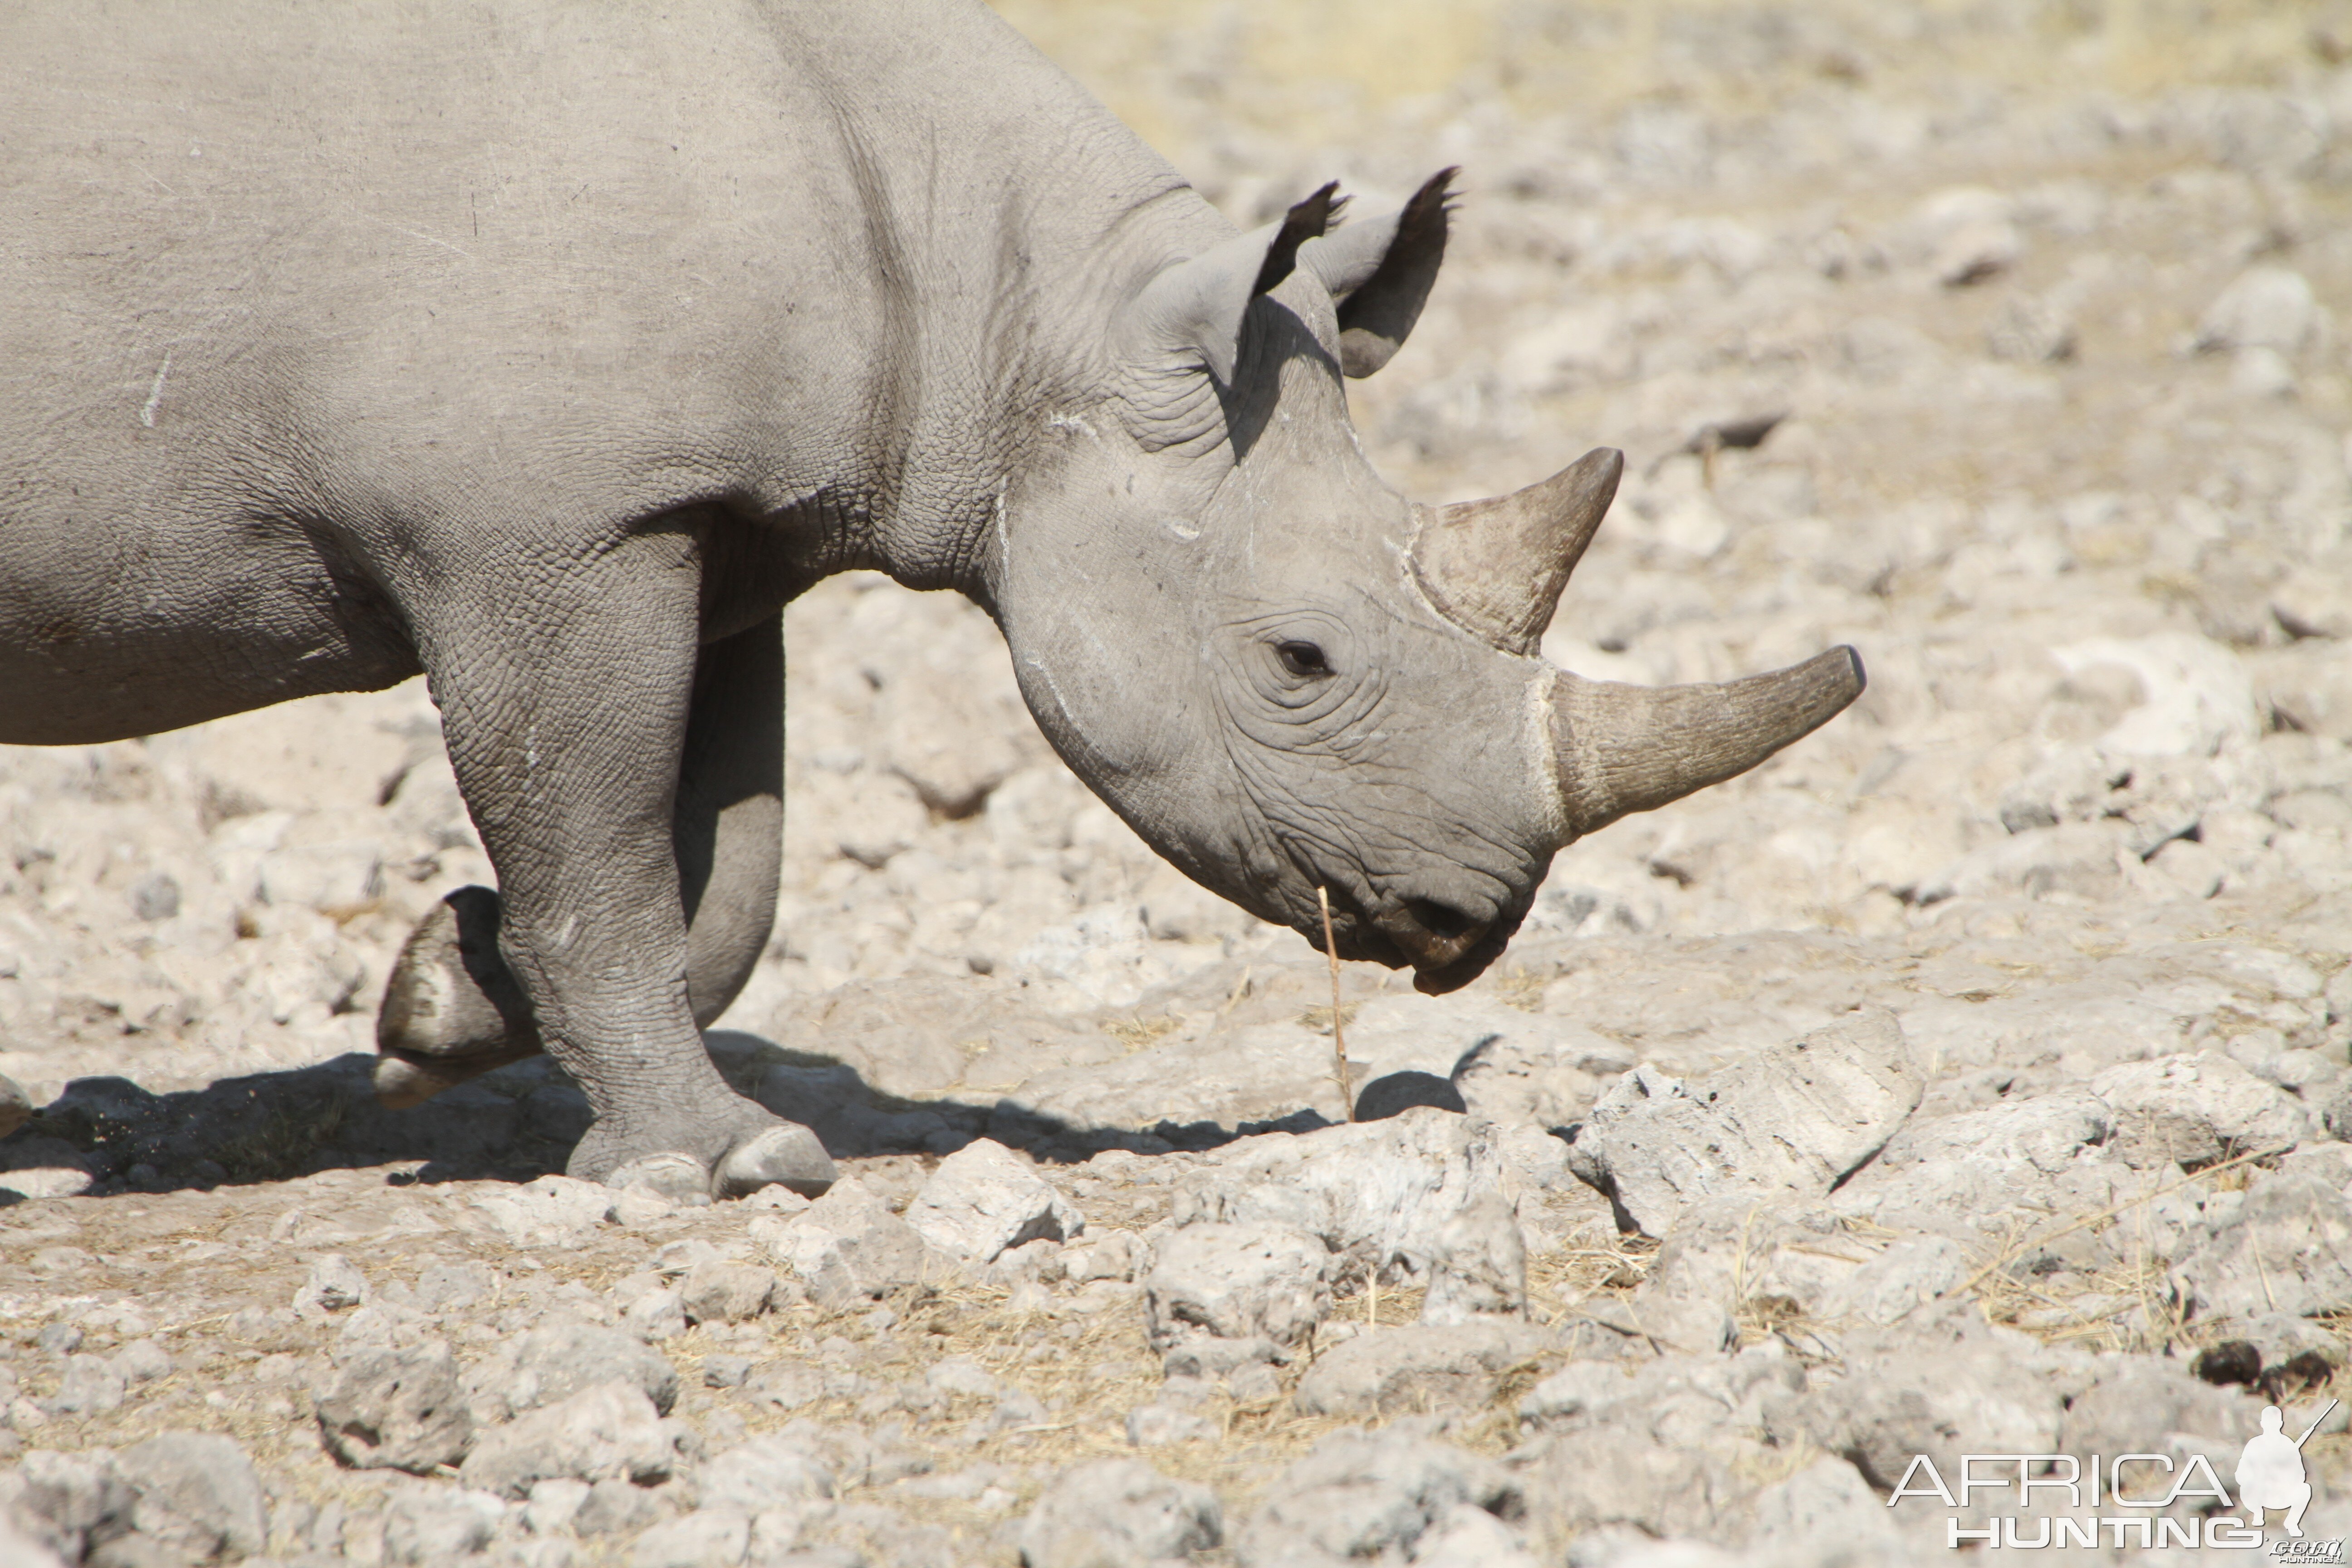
(984, 1200)
(1786, 1123)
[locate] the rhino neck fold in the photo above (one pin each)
(1003, 216)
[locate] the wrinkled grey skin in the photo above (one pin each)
(551, 351)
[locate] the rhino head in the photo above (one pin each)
(1286, 676)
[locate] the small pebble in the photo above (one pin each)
(1157, 1425)
(1255, 1384)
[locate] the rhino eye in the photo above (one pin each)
(1303, 660)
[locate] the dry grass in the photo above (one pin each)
(1560, 1282)
(1137, 1033)
(1320, 1018)
(2126, 1306)
(2145, 1320)
(1522, 989)
(1087, 1369)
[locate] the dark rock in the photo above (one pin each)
(2233, 1361)
(402, 1409)
(2296, 1375)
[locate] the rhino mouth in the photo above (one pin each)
(1432, 935)
(1436, 979)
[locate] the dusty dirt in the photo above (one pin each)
(2049, 301)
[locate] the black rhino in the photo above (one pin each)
(552, 348)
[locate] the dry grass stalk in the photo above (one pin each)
(1137, 1033)
(1595, 1261)
(1338, 1035)
(2126, 1306)
(2000, 1262)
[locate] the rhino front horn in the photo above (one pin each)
(1619, 749)
(1496, 567)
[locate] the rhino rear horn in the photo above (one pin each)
(1379, 271)
(1496, 567)
(1192, 311)
(1619, 749)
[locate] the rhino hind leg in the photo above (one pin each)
(726, 826)
(452, 1010)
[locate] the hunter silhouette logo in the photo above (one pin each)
(2151, 1501)
(2271, 1473)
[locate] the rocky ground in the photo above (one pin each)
(1967, 1080)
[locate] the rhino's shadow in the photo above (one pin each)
(519, 1123)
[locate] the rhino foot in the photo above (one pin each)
(786, 1156)
(401, 1080)
(452, 1009)
(750, 1151)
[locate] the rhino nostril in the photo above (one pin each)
(1440, 921)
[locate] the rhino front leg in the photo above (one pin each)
(566, 704)
(452, 1011)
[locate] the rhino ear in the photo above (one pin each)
(1379, 271)
(1193, 309)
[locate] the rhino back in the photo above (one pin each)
(327, 289)
(396, 221)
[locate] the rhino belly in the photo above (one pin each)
(123, 636)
